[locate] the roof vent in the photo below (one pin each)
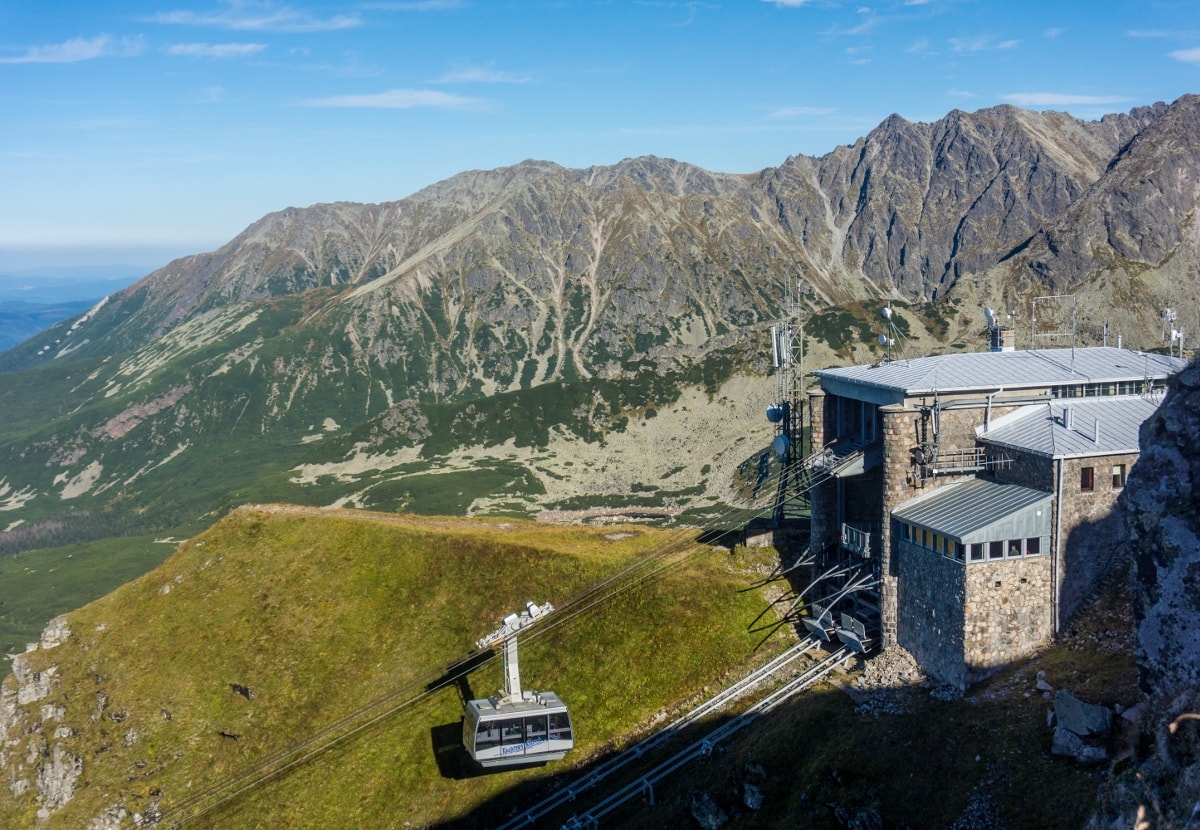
(1068, 420)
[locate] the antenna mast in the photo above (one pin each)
(787, 412)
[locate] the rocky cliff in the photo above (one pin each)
(1161, 789)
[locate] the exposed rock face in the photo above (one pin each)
(32, 755)
(1160, 509)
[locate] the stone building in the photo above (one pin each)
(976, 487)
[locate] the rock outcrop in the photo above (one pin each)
(1160, 510)
(31, 755)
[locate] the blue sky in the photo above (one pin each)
(134, 131)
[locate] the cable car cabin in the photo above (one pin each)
(518, 732)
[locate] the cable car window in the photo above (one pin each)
(487, 736)
(535, 728)
(560, 726)
(512, 731)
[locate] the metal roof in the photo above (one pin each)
(1042, 429)
(988, 371)
(960, 510)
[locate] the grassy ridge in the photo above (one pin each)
(320, 615)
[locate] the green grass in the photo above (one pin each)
(38, 585)
(322, 614)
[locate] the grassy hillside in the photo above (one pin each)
(40, 584)
(319, 615)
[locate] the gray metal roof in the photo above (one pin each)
(1041, 429)
(988, 371)
(960, 510)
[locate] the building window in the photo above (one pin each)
(937, 543)
(977, 551)
(1118, 473)
(960, 552)
(995, 550)
(1087, 479)
(1033, 546)
(905, 532)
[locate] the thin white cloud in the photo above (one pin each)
(425, 6)
(984, 43)
(211, 94)
(1053, 32)
(402, 99)
(216, 50)
(1173, 34)
(1187, 55)
(788, 4)
(1058, 99)
(79, 49)
(960, 93)
(859, 55)
(919, 47)
(258, 17)
(483, 75)
(798, 112)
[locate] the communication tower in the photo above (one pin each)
(786, 411)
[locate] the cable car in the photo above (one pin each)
(520, 732)
(520, 727)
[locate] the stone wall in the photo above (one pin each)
(1008, 612)
(1090, 529)
(931, 596)
(824, 497)
(1027, 469)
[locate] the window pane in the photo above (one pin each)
(488, 735)
(512, 731)
(995, 550)
(1014, 547)
(1033, 546)
(560, 726)
(1087, 480)
(977, 552)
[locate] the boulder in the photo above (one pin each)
(1084, 719)
(706, 811)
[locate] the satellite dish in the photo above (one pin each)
(780, 445)
(886, 312)
(991, 317)
(775, 413)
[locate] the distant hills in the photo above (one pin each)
(34, 299)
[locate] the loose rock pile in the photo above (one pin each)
(890, 681)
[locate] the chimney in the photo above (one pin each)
(1068, 421)
(1096, 432)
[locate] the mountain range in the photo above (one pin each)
(537, 337)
